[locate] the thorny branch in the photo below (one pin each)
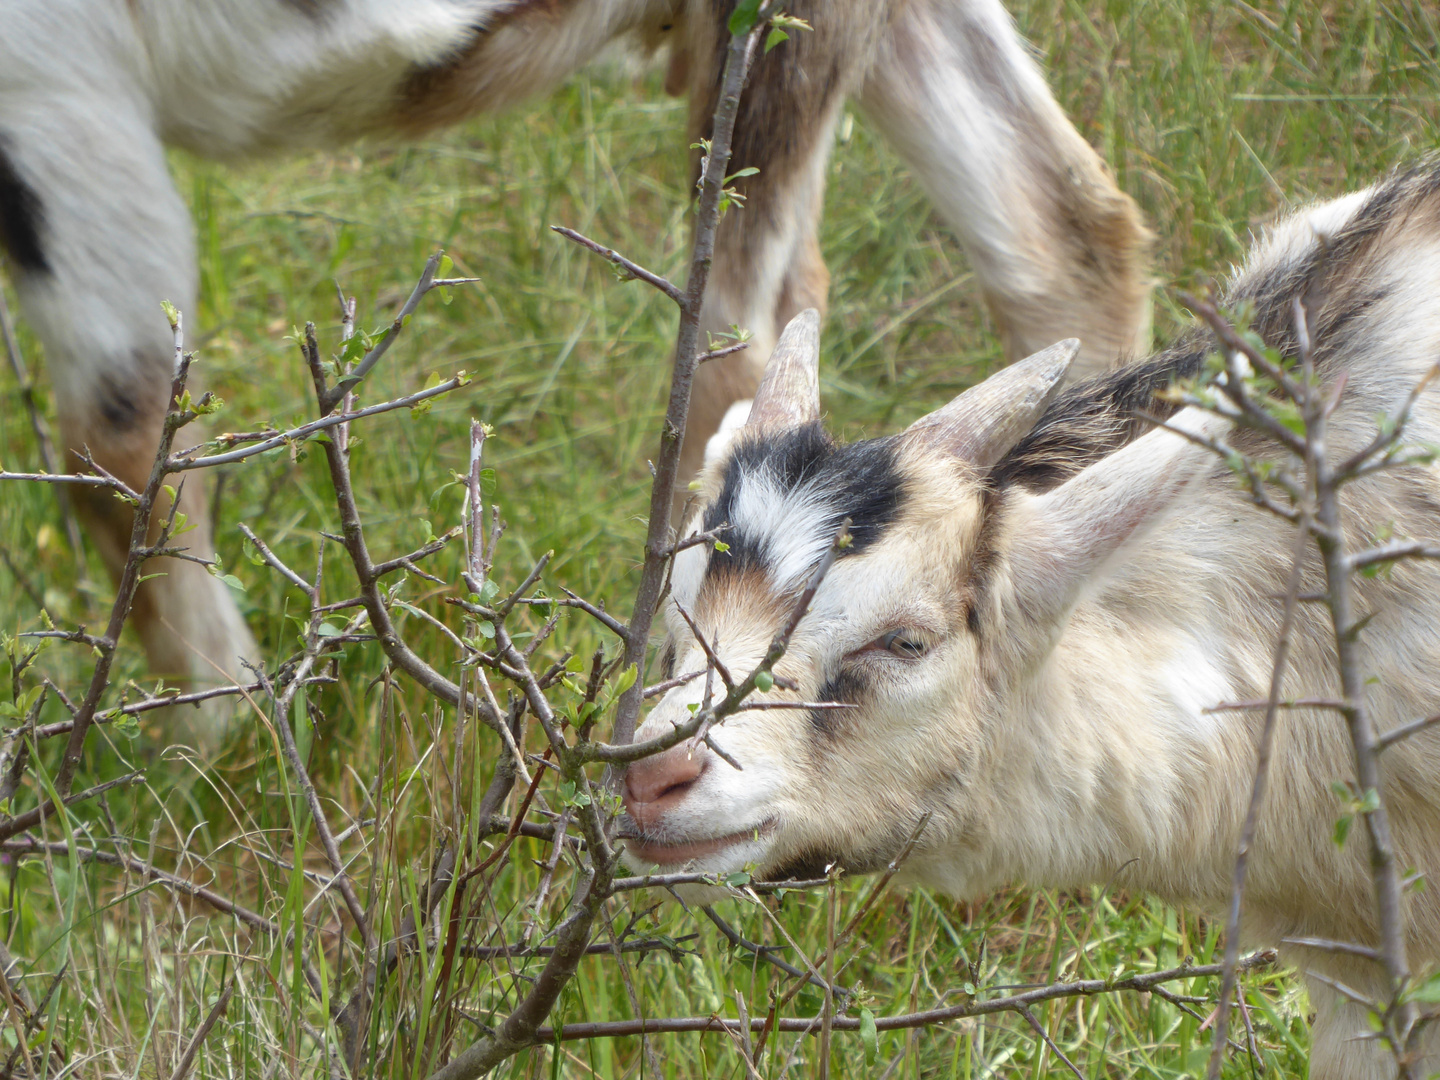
(739, 55)
(1143, 983)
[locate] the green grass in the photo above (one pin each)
(1214, 116)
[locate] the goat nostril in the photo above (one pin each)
(679, 787)
(665, 777)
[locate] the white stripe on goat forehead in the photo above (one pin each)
(783, 497)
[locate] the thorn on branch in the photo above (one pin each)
(627, 270)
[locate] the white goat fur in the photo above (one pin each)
(1077, 632)
(92, 91)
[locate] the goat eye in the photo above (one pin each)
(901, 643)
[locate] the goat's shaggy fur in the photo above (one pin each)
(92, 91)
(1070, 615)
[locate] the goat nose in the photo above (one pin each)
(654, 785)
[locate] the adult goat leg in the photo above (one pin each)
(1059, 250)
(105, 240)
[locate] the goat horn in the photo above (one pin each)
(789, 391)
(982, 424)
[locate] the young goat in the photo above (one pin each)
(1041, 602)
(96, 236)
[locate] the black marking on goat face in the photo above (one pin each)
(861, 481)
(847, 687)
(22, 219)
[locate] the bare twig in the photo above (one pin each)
(31, 818)
(669, 881)
(627, 270)
(1081, 988)
(598, 948)
(272, 561)
(129, 575)
(1034, 1022)
(1404, 731)
(710, 654)
(1280, 663)
(667, 462)
(1316, 507)
(428, 281)
(1393, 552)
(1344, 948)
(727, 350)
(700, 723)
(769, 953)
(182, 462)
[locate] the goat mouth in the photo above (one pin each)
(662, 853)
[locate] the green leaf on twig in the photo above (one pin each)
(1428, 991)
(744, 17)
(571, 796)
(869, 1035)
(626, 680)
(1342, 829)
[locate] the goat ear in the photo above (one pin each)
(1059, 539)
(982, 424)
(789, 391)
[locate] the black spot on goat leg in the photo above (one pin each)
(22, 218)
(315, 10)
(119, 401)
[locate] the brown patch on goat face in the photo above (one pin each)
(739, 606)
(927, 552)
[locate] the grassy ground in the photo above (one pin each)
(1215, 117)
